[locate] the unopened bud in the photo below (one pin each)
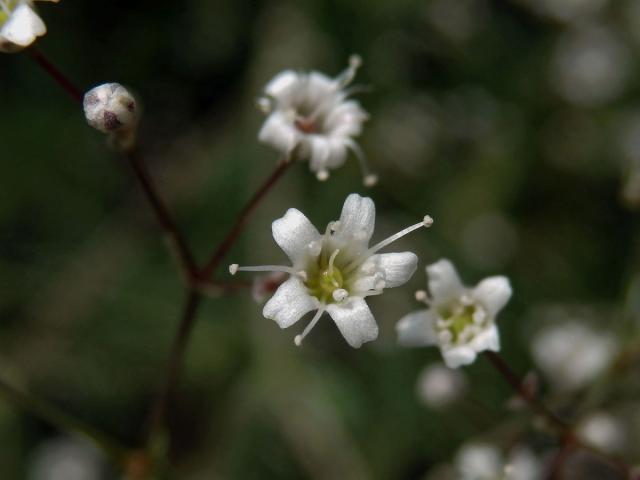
(112, 109)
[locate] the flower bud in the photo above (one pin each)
(112, 109)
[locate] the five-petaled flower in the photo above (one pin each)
(310, 117)
(20, 25)
(336, 271)
(460, 320)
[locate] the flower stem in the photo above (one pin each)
(56, 74)
(563, 429)
(223, 248)
(62, 421)
(175, 239)
(158, 411)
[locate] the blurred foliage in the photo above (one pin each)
(468, 123)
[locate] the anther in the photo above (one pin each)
(322, 175)
(340, 294)
(422, 296)
(233, 268)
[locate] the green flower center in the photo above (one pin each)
(460, 321)
(324, 278)
(6, 8)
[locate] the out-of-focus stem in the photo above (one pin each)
(62, 421)
(158, 412)
(563, 429)
(175, 240)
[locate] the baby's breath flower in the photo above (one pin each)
(20, 25)
(439, 386)
(311, 118)
(571, 354)
(335, 272)
(112, 109)
(485, 461)
(460, 320)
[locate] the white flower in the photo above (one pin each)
(20, 25)
(336, 271)
(311, 117)
(66, 458)
(484, 461)
(460, 320)
(603, 431)
(439, 386)
(571, 354)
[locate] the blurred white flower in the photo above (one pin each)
(590, 66)
(484, 461)
(604, 431)
(65, 458)
(460, 320)
(439, 386)
(336, 271)
(311, 118)
(20, 25)
(571, 354)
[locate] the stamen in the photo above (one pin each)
(264, 105)
(369, 179)
(298, 339)
(234, 268)
(422, 296)
(331, 259)
(347, 76)
(322, 175)
(340, 294)
(426, 222)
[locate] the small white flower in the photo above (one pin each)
(336, 271)
(460, 320)
(20, 25)
(66, 458)
(311, 117)
(571, 354)
(604, 431)
(484, 461)
(439, 386)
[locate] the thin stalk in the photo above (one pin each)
(56, 74)
(62, 421)
(563, 429)
(223, 248)
(159, 406)
(175, 240)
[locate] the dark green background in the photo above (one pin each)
(465, 127)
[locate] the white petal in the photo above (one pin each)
(416, 329)
(397, 267)
(293, 233)
(493, 293)
(319, 152)
(356, 222)
(290, 302)
(444, 283)
(454, 357)
(488, 339)
(282, 84)
(355, 321)
(23, 26)
(279, 132)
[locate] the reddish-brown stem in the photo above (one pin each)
(56, 74)
(175, 239)
(564, 430)
(223, 249)
(159, 406)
